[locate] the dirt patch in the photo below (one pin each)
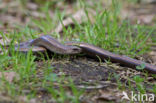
(98, 79)
(83, 70)
(86, 74)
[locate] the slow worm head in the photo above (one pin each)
(25, 47)
(53, 45)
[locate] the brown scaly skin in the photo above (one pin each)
(96, 52)
(47, 42)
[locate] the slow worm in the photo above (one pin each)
(47, 42)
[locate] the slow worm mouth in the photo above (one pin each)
(76, 50)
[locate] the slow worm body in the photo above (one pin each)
(96, 52)
(47, 42)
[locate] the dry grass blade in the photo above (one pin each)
(4, 41)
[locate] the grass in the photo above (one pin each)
(108, 32)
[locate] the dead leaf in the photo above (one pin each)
(32, 6)
(24, 99)
(145, 19)
(153, 56)
(141, 14)
(9, 76)
(37, 14)
(108, 95)
(80, 16)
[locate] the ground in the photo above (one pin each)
(122, 27)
